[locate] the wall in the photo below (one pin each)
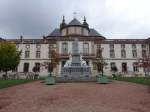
(106, 54)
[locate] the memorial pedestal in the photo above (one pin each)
(102, 79)
(76, 68)
(50, 80)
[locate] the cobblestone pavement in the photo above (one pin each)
(75, 97)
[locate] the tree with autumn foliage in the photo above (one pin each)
(54, 59)
(9, 56)
(145, 63)
(100, 62)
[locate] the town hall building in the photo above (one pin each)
(122, 53)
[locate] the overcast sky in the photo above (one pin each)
(111, 18)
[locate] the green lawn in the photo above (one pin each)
(139, 80)
(9, 83)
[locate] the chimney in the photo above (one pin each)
(44, 39)
(21, 38)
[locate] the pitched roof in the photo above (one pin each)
(74, 22)
(55, 32)
(93, 32)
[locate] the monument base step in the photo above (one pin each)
(76, 79)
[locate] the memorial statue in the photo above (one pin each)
(75, 68)
(83, 63)
(68, 62)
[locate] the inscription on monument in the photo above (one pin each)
(75, 48)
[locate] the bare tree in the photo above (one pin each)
(53, 61)
(145, 61)
(114, 69)
(100, 62)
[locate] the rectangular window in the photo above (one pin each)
(112, 65)
(37, 66)
(111, 46)
(38, 47)
(124, 67)
(122, 46)
(38, 54)
(98, 46)
(27, 54)
(99, 50)
(64, 48)
(143, 46)
(133, 46)
(85, 48)
(134, 53)
(143, 53)
(135, 67)
(99, 53)
(123, 54)
(112, 54)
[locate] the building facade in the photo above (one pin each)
(122, 53)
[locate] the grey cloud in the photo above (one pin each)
(39, 17)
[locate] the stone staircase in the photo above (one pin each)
(76, 79)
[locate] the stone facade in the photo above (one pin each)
(121, 52)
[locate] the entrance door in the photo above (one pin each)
(124, 67)
(26, 67)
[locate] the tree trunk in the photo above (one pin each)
(5, 77)
(102, 69)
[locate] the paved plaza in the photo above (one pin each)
(75, 97)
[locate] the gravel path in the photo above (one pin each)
(75, 97)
